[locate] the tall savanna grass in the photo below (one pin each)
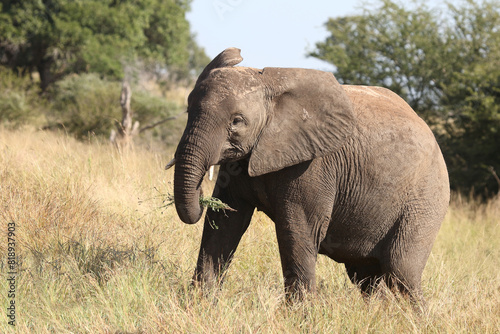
(99, 253)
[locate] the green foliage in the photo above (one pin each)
(87, 105)
(213, 203)
(19, 100)
(446, 65)
(398, 48)
(470, 97)
(59, 37)
(149, 108)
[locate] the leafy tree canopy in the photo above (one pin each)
(58, 37)
(445, 64)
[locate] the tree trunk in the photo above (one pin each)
(123, 137)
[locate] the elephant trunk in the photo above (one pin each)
(188, 177)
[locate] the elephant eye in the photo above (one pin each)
(238, 120)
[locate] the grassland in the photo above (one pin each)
(98, 253)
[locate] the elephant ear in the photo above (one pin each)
(227, 58)
(310, 116)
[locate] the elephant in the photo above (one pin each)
(350, 172)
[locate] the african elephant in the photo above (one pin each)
(350, 172)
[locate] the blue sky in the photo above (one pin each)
(274, 33)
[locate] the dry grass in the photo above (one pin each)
(98, 254)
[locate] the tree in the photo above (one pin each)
(392, 46)
(58, 37)
(470, 97)
(446, 65)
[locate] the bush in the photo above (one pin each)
(149, 108)
(87, 105)
(19, 100)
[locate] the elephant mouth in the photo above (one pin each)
(233, 152)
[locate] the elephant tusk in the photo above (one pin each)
(170, 164)
(211, 172)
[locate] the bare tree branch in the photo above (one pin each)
(494, 173)
(171, 118)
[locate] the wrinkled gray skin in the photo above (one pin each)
(350, 172)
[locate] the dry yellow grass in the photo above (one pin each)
(97, 255)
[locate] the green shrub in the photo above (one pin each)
(85, 104)
(149, 108)
(19, 100)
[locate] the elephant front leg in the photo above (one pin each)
(298, 260)
(222, 233)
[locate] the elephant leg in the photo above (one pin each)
(222, 232)
(298, 261)
(405, 278)
(366, 276)
(408, 254)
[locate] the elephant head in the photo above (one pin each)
(274, 117)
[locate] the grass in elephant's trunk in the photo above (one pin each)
(208, 202)
(214, 204)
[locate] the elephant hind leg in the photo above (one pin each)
(407, 255)
(404, 276)
(408, 287)
(366, 276)
(369, 277)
